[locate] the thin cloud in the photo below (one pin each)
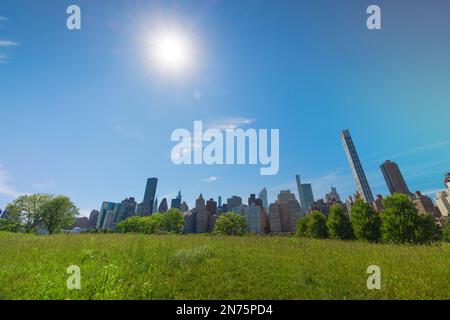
(211, 179)
(8, 43)
(3, 18)
(230, 123)
(426, 147)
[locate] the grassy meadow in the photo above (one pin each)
(132, 266)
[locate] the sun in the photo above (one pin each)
(172, 51)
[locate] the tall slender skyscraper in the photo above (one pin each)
(146, 207)
(305, 194)
(263, 196)
(357, 169)
(394, 178)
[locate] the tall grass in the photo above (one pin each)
(127, 266)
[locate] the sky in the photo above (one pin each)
(89, 114)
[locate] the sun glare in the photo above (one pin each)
(172, 51)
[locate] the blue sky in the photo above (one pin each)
(83, 113)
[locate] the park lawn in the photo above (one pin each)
(131, 266)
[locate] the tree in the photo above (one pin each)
(173, 221)
(338, 224)
(312, 225)
(427, 230)
(365, 221)
(401, 223)
(230, 224)
(10, 225)
(28, 210)
(446, 231)
(58, 213)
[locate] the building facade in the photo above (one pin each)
(394, 178)
(355, 165)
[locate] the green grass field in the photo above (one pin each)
(124, 266)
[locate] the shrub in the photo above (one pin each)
(446, 231)
(312, 225)
(148, 225)
(365, 221)
(338, 224)
(10, 225)
(230, 224)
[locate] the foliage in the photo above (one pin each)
(401, 223)
(230, 224)
(28, 210)
(173, 221)
(446, 231)
(338, 224)
(58, 213)
(365, 221)
(147, 225)
(312, 225)
(10, 225)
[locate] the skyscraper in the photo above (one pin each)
(176, 203)
(263, 196)
(146, 207)
(443, 198)
(305, 194)
(126, 209)
(357, 169)
(332, 196)
(284, 213)
(163, 206)
(394, 178)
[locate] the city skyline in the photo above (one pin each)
(95, 120)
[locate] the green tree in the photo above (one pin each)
(28, 210)
(446, 231)
(173, 221)
(58, 213)
(10, 225)
(401, 223)
(312, 225)
(427, 230)
(338, 224)
(230, 224)
(365, 221)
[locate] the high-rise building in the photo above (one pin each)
(305, 194)
(93, 216)
(394, 178)
(202, 217)
(378, 203)
(211, 207)
(284, 213)
(234, 204)
(155, 205)
(425, 205)
(332, 196)
(357, 169)
(443, 198)
(263, 196)
(107, 216)
(184, 207)
(219, 201)
(126, 209)
(176, 203)
(163, 206)
(145, 208)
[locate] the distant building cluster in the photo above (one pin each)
(277, 217)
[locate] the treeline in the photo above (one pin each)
(28, 213)
(398, 223)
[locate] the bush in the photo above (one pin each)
(148, 225)
(338, 224)
(10, 225)
(446, 231)
(312, 225)
(401, 223)
(173, 221)
(365, 221)
(230, 224)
